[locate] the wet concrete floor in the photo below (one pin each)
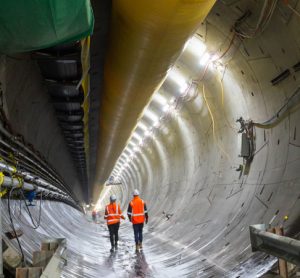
(88, 247)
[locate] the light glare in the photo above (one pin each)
(196, 46)
(151, 115)
(204, 60)
(175, 76)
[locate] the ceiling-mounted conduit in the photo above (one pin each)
(146, 39)
(66, 71)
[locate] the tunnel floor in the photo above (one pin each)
(88, 247)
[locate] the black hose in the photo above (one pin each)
(290, 104)
(38, 223)
(12, 223)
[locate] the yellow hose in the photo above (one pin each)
(85, 82)
(147, 36)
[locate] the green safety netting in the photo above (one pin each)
(27, 25)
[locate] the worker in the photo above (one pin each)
(113, 214)
(94, 215)
(137, 214)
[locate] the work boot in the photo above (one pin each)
(112, 249)
(116, 246)
(137, 247)
(141, 246)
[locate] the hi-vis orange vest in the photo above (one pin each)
(138, 210)
(112, 213)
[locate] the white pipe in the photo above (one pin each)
(14, 182)
(29, 177)
(35, 183)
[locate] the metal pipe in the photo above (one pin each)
(29, 177)
(25, 166)
(8, 135)
(14, 182)
(279, 246)
(31, 161)
(52, 175)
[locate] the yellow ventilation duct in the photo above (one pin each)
(147, 36)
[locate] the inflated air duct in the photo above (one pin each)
(146, 39)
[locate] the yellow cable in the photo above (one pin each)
(213, 125)
(85, 83)
(21, 182)
(1, 178)
(223, 109)
(4, 191)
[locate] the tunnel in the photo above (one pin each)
(194, 103)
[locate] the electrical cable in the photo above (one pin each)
(263, 21)
(34, 225)
(213, 125)
(284, 110)
(12, 222)
(293, 10)
(222, 98)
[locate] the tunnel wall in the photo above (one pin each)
(188, 172)
(30, 113)
(200, 207)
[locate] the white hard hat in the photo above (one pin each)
(136, 192)
(113, 198)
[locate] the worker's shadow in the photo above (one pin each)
(140, 266)
(109, 262)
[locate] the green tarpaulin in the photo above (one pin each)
(27, 25)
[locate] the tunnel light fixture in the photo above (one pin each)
(131, 143)
(205, 59)
(178, 78)
(166, 108)
(136, 136)
(127, 150)
(151, 115)
(121, 159)
(142, 126)
(123, 155)
(160, 99)
(137, 140)
(196, 46)
(118, 166)
(147, 133)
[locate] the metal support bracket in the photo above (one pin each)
(282, 247)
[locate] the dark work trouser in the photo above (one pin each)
(113, 233)
(138, 232)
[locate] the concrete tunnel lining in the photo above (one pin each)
(190, 174)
